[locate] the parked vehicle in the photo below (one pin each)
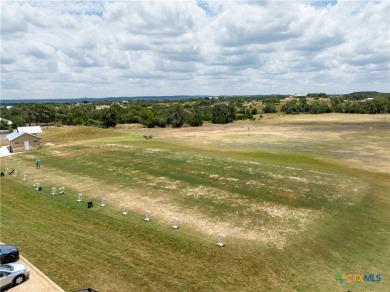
(8, 253)
(13, 274)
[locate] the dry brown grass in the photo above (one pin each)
(335, 133)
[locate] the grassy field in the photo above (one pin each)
(300, 198)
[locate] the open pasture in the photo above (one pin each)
(300, 198)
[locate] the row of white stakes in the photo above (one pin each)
(61, 191)
(175, 221)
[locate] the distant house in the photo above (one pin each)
(7, 121)
(298, 95)
(251, 103)
(99, 107)
(25, 138)
(222, 103)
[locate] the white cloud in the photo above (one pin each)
(85, 48)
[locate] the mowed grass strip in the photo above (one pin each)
(79, 247)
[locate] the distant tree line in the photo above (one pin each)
(148, 113)
(192, 112)
(302, 106)
(380, 104)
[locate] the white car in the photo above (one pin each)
(13, 274)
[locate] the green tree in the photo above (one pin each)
(80, 114)
(4, 125)
(109, 117)
(41, 114)
(176, 115)
(18, 122)
(319, 108)
(148, 118)
(270, 108)
(223, 114)
(291, 107)
(195, 120)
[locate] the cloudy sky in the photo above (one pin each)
(72, 49)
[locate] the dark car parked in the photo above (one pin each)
(8, 253)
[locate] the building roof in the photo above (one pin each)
(222, 103)
(15, 135)
(30, 130)
(8, 121)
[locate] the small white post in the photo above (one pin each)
(25, 177)
(175, 223)
(38, 186)
(125, 210)
(148, 216)
(15, 173)
(104, 202)
(53, 191)
(6, 171)
(221, 240)
(61, 191)
(80, 198)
